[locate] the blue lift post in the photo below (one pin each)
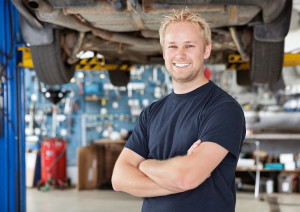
(12, 113)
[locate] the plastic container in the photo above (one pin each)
(285, 183)
(270, 186)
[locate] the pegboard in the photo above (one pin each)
(95, 104)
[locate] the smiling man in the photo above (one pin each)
(183, 152)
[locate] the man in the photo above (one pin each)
(183, 152)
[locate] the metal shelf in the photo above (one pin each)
(274, 136)
(267, 170)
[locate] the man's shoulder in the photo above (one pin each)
(156, 105)
(221, 102)
(221, 97)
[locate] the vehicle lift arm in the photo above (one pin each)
(12, 137)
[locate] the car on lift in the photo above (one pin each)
(126, 32)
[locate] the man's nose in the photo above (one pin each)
(181, 54)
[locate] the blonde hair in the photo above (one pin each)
(185, 15)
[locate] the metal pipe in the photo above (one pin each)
(72, 59)
(257, 176)
(40, 5)
(238, 43)
(26, 14)
(54, 121)
(58, 18)
(116, 37)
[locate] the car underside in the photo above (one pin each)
(126, 31)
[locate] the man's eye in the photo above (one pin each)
(171, 47)
(190, 46)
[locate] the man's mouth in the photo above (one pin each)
(181, 65)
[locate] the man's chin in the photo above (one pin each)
(181, 79)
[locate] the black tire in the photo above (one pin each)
(243, 77)
(50, 62)
(119, 78)
(266, 61)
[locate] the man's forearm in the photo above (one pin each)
(187, 172)
(131, 180)
(165, 173)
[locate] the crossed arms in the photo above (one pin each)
(138, 176)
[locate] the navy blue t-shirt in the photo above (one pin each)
(168, 128)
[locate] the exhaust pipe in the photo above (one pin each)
(47, 13)
(40, 5)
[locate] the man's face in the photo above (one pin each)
(184, 52)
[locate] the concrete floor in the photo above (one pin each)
(110, 201)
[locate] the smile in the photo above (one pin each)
(181, 65)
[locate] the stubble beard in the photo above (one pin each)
(188, 78)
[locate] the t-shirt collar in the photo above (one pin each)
(198, 91)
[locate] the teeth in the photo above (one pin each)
(182, 65)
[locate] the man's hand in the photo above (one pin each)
(193, 147)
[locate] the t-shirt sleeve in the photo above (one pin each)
(225, 125)
(138, 141)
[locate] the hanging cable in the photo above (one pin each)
(4, 67)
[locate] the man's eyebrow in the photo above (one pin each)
(172, 42)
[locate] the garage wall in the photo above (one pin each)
(95, 105)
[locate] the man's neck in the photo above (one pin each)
(182, 88)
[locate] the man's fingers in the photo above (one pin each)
(198, 142)
(193, 147)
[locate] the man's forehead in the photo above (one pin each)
(182, 28)
(177, 23)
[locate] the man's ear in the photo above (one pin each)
(207, 51)
(163, 51)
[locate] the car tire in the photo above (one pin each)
(119, 78)
(266, 61)
(50, 62)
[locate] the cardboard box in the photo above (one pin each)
(110, 141)
(101, 165)
(31, 163)
(112, 152)
(87, 167)
(96, 163)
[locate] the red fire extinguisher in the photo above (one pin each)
(53, 162)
